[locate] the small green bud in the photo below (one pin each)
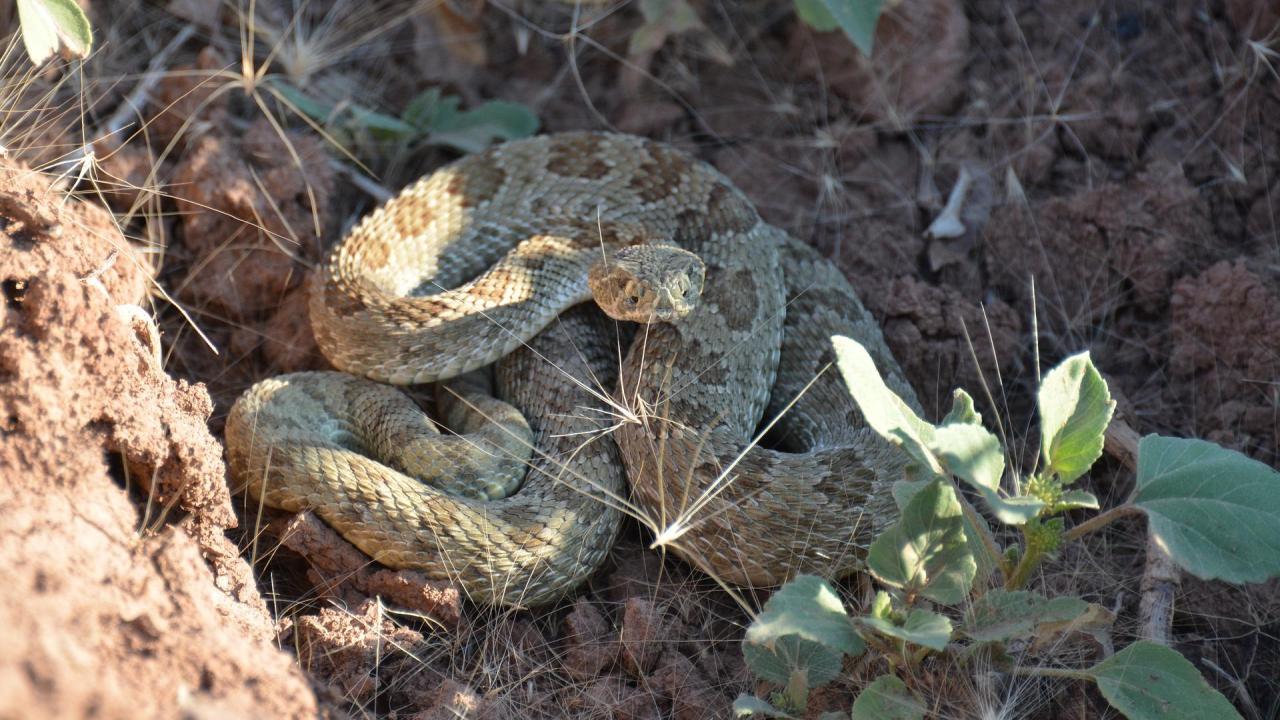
(1012, 555)
(1044, 537)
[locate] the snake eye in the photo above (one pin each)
(633, 301)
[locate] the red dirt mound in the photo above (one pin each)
(109, 611)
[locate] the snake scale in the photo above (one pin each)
(484, 261)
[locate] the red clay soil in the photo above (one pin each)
(120, 596)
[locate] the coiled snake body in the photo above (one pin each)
(482, 261)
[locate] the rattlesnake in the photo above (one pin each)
(515, 231)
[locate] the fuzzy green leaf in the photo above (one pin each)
(973, 536)
(922, 627)
(1076, 500)
(1216, 511)
(1075, 409)
(1002, 614)
(970, 452)
(1146, 681)
(882, 605)
(887, 698)
(52, 27)
(904, 490)
(926, 551)
(962, 410)
(803, 629)
(974, 455)
(883, 410)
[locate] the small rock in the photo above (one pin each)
(643, 633)
(592, 645)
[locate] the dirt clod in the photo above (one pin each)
(337, 567)
(119, 579)
(690, 694)
(644, 636)
(252, 217)
(1226, 343)
(936, 332)
(592, 644)
(453, 700)
(1094, 251)
(611, 696)
(347, 646)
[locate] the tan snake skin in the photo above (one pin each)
(467, 266)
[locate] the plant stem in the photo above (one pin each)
(877, 643)
(1098, 521)
(919, 655)
(1031, 555)
(984, 533)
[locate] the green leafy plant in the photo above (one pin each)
(1216, 512)
(430, 118)
(54, 27)
(857, 18)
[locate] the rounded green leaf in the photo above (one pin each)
(474, 130)
(971, 452)
(974, 527)
(926, 551)
(1146, 681)
(887, 698)
(803, 629)
(1003, 614)
(1216, 511)
(793, 660)
(962, 410)
(1075, 409)
(922, 627)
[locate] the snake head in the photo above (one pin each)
(648, 283)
